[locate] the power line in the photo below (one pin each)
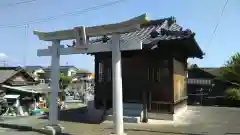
(26, 45)
(16, 3)
(82, 11)
(218, 22)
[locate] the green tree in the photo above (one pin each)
(232, 94)
(231, 70)
(193, 66)
(64, 81)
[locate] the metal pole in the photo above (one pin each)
(117, 85)
(53, 113)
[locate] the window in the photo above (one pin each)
(42, 81)
(154, 74)
(100, 72)
(199, 81)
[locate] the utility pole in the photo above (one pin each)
(4, 62)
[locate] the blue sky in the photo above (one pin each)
(198, 15)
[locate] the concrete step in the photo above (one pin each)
(126, 119)
(133, 106)
(132, 113)
(129, 112)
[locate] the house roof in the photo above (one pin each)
(28, 89)
(32, 68)
(61, 68)
(154, 31)
(7, 72)
(82, 71)
(214, 71)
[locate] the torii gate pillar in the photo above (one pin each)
(54, 126)
(55, 65)
(117, 85)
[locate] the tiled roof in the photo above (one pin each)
(7, 72)
(61, 67)
(32, 68)
(80, 71)
(213, 71)
(154, 31)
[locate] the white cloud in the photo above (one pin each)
(3, 55)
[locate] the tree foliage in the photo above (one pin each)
(233, 94)
(231, 70)
(192, 66)
(64, 81)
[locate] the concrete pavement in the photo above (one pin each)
(7, 131)
(196, 121)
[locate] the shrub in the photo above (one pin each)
(233, 94)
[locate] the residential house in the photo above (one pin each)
(37, 72)
(205, 87)
(66, 70)
(154, 77)
(16, 81)
(82, 74)
(81, 80)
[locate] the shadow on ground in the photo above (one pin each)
(160, 132)
(79, 115)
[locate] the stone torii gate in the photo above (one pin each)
(116, 45)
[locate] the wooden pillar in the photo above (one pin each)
(97, 95)
(145, 117)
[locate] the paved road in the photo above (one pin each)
(196, 121)
(4, 131)
(19, 120)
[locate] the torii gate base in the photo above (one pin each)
(54, 129)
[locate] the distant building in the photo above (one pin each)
(37, 72)
(204, 85)
(43, 74)
(66, 70)
(82, 73)
(82, 80)
(15, 80)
